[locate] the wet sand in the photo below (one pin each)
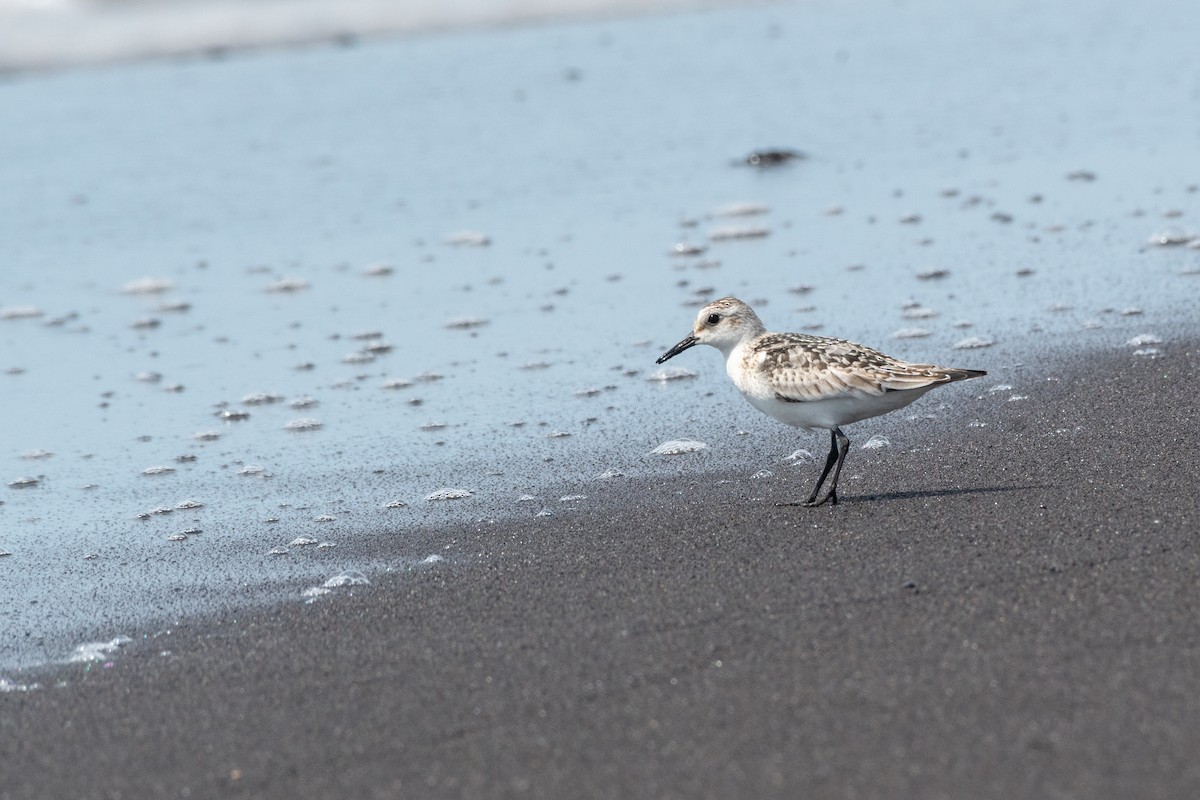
(1011, 614)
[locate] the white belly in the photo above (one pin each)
(834, 411)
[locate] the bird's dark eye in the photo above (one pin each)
(713, 319)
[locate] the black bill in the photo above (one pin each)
(687, 342)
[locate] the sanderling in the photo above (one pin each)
(811, 381)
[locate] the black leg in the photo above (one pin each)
(842, 445)
(830, 460)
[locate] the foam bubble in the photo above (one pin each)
(972, 343)
(159, 470)
(911, 333)
(98, 651)
(449, 494)
(288, 285)
(676, 447)
(350, 577)
(304, 424)
(261, 398)
(671, 374)
(468, 239)
(20, 312)
(733, 232)
(302, 541)
(147, 285)
(876, 442)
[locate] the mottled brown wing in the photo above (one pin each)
(803, 368)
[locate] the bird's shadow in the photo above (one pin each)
(917, 494)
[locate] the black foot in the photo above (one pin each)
(812, 502)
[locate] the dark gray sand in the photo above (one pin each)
(1013, 615)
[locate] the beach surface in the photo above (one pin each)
(1007, 611)
(331, 411)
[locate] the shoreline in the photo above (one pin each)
(88, 36)
(1009, 619)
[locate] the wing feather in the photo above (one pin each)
(801, 368)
